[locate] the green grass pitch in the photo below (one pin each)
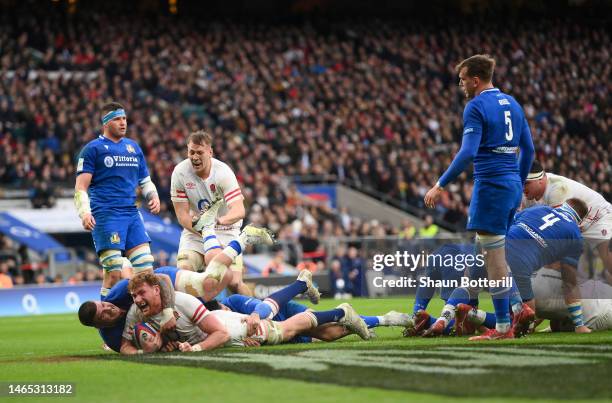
(560, 367)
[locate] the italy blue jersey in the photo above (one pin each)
(543, 235)
(117, 169)
(119, 296)
(500, 123)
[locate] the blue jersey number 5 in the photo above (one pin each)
(508, 120)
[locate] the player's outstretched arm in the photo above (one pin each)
(217, 335)
(81, 201)
(527, 151)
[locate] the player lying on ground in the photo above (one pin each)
(199, 329)
(539, 236)
(552, 190)
(108, 315)
(279, 306)
(548, 291)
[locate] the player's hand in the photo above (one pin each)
(432, 196)
(170, 346)
(185, 347)
(249, 342)
(583, 329)
(154, 205)
(169, 326)
(252, 321)
(88, 222)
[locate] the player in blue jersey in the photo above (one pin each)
(494, 130)
(538, 237)
(109, 170)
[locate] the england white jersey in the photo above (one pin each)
(550, 303)
(189, 312)
(599, 218)
(221, 183)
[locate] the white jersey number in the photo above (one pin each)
(549, 220)
(509, 133)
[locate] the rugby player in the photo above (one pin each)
(539, 236)
(109, 170)
(552, 190)
(198, 182)
(494, 128)
(198, 329)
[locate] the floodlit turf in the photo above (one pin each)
(389, 368)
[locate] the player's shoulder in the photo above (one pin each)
(220, 166)
(96, 142)
(182, 167)
(183, 300)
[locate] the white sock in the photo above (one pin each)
(448, 314)
(477, 316)
(502, 327)
(381, 321)
(104, 291)
(517, 308)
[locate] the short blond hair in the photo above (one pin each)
(143, 278)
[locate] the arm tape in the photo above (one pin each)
(148, 188)
(81, 202)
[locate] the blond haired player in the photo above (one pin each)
(552, 190)
(197, 183)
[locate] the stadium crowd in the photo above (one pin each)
(371, 104)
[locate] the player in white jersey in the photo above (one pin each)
(552, 190)
(596, 301)
(197, 183)
(193, 321)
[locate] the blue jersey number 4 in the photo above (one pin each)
(549, 220)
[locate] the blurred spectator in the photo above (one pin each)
(76, 278)
(42, 196)
(276, 265)
(353, 267)
(429, 229)
(5, 279)
(408, 230)
(338, 281)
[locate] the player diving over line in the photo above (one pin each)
(199, 329)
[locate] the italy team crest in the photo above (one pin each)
(114, 238)
(130, 149)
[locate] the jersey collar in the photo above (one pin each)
(489, 90)
(101, 137)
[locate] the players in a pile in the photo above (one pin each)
(494, 130)
(197, 183)
(552, 190)
(109, 170)
(539, 236)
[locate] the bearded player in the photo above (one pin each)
(552, 190)
(109, 170)
(197, 183)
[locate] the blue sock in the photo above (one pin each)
(420, 304)
(489, 321)
(284, 295)
(501, 305)
(449, 327)
(474, 302)
(459, 296)
(371, 321)
(432, 320)
(236, 246)
(333, 315)
(516, 303)
(425, 294)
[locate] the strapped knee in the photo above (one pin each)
(111, 260)
(141, 259)
(489, 242)
(189, 260)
